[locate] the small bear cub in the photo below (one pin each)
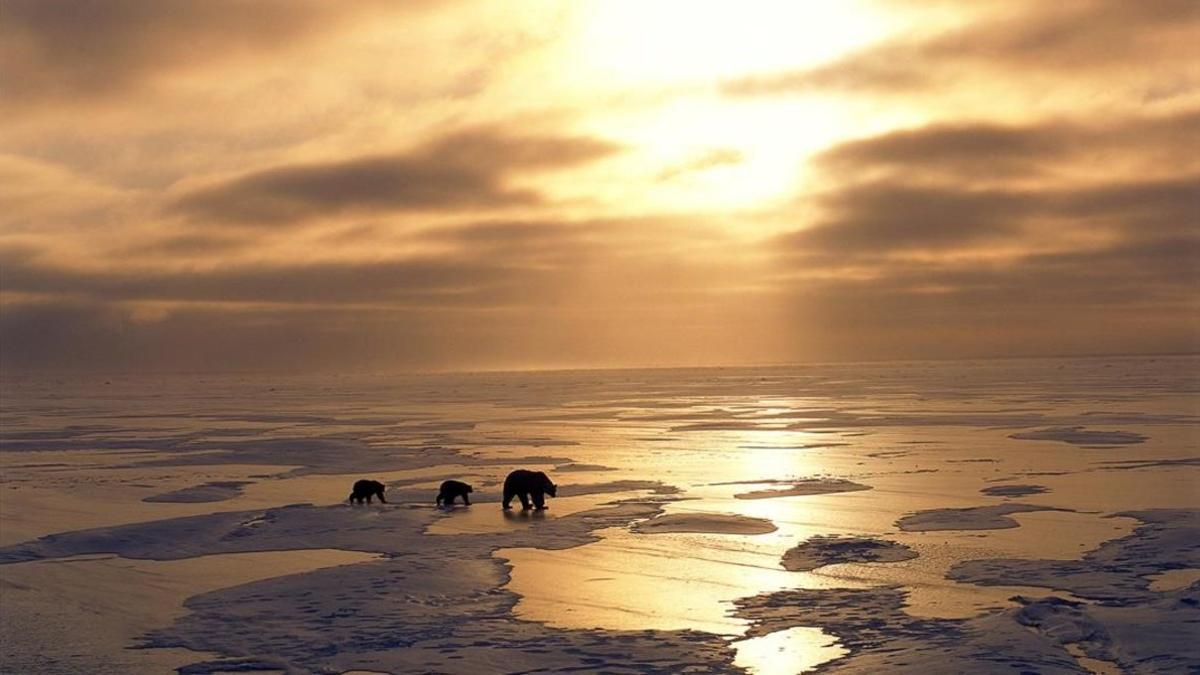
(452, 489)
(365, 489)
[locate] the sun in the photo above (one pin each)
(679, 41)
(649, 74)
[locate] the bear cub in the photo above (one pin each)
(365, 489)
(524, 484)
(452, 489)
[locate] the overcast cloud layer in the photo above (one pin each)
(248, 184)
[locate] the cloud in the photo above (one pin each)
(881, 217)
(515, 293)
(886, 217)
(73, 336)
(435, 280)
(1145, 271)
(484, 264)
(183, 216)
(954, 187)
(39, 197)
(186, 245)
(909, 256)
(1134, 297)
(986, 151)
(1073, 37)
(464, 170)
(708, 160)
(60, 49)
(880, 69)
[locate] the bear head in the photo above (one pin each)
(548, 485)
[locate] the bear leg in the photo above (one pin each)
(508, 497)
(466, 500)
(539, 500)
(524, 500)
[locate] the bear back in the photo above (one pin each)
(524, 480)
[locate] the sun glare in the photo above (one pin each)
(685, 41)
(691, 147)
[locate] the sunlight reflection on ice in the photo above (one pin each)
(787, 652)
(485, 517)
(629, 581)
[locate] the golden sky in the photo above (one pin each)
(301, 184)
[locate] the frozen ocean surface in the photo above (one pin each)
(982, 516)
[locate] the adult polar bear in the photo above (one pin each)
(525, 484)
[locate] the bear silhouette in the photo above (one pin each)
(451, 489)
(365, 489)
(524, 484)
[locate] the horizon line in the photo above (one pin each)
(358, 371)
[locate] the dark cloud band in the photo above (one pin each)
(462, 171)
